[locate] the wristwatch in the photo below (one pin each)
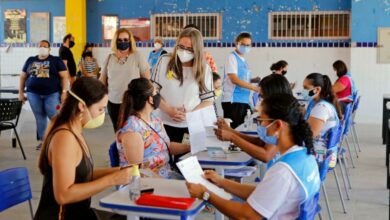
(206, 196)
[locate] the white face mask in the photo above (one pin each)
(185, 56)
(157, 46)
(43, 51)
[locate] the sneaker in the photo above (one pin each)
(38, 147)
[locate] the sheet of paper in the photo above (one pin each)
(193, 173)
(197, 131)
(200, 125)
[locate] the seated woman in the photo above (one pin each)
(142, 137)
(323, 111)
(344, 87)
(69, 178)
(269, 85)
(292, 180)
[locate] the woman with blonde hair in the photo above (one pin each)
(120, 68)
(185, 81)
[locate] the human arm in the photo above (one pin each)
(22, 84)
(64, 155)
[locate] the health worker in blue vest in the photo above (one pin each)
(236, 83)
(323, 113)
(291, 181)
(156, 53)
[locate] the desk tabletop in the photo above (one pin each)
(119, 200)
(239, 158)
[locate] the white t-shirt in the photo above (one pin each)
(177, 95)
(325, 113)
(120, 75)
(230, 68)
(279, 194)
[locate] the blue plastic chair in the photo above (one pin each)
(356, 104)
(114, 155)
(15, 188)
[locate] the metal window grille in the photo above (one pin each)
(319, 25)
(168, 26)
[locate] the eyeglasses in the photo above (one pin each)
(157, 86)
(259, 120)
(122, 40)
(190, 49)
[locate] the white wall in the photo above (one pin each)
(371, 79)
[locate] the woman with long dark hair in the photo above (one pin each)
(88, 65)
(292, 180)
(69, 179)
(323, 111)
(141, 136)
(273, 84)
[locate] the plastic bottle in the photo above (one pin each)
(135, 184)
(247, 120)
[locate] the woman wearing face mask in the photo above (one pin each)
(185, 81)
(323, 111)
(236, 83)
(156, 53)
(142, 137)
(69, 178)
(88, 65)
(45, 78)
(254, 146)
(120, 67)
(279, 67)
(344, 87)
(292, 180)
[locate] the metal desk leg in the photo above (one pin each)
(218, 214)
(132, 217)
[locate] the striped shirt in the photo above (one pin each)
(88, 65)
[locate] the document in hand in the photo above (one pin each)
(193, 173)
(199, 124)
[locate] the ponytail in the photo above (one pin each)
(134, 99)
(287, 109)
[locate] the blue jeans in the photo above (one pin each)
(43, 107)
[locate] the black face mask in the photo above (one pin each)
(156, 100)
(284, 72)
(311, 93)
(123, 45)
(88, 54)
(71, 44)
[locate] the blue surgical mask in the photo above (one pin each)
(262, 132)
(307, 94)
(244, 49)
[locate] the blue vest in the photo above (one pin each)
(241, 95)
(153, 57)
(305, 169)
(311, 105)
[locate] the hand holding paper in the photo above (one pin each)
(193, 173)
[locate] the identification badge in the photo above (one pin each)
(186, 139)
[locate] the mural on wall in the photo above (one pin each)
(110, 25)
(15, 26)
(140, 27)
(59, 28)
(39, 21)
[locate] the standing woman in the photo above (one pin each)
(344, 87)
(237, 82)
(156, 53)
(69, 178)
(185, 81)
(88, 65)
(44, 76)
(120, 67)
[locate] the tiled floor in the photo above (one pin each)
(369, 197)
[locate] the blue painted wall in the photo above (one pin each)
(241, 15)
(367, 16)
(55, 7)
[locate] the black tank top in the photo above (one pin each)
(48, 207)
